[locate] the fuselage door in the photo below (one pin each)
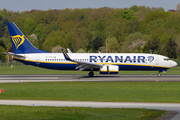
(37, 60)
(157, 60)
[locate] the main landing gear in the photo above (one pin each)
(159, 74)
(91, 74)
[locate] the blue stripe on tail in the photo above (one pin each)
(20, 43)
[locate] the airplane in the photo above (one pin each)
(105, 63)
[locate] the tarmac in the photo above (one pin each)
(82, 77)
(173, 108)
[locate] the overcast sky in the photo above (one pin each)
(27, 5)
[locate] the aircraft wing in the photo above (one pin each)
(14, 55)
(80, 64)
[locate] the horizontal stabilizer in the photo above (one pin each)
(14, 55)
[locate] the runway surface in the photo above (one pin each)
(119, 77)
(160, 106)
(84, 77)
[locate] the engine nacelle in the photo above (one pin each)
(109, 69)
(113, 69)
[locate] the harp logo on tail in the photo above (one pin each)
(18, 40)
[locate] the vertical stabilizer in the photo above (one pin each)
(20, 43)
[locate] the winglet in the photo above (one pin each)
(69, 51)
(65, 55)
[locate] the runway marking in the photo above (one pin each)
(28, 78)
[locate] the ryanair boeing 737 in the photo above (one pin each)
(106, 63)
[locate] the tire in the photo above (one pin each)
(91, 74)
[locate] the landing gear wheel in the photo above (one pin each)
(91, 74)
(159, 75)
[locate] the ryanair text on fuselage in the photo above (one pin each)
(116, 59)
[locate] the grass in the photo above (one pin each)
(76, 113)
(160, 92)
(36, 70)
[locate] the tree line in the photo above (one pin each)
(138, 29)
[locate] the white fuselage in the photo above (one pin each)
(125, 61)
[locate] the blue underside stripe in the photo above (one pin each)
(63, 66)
(113, 72)
(103, 72)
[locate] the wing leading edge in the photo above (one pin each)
(80, 64)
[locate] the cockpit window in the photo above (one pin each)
(166, 59)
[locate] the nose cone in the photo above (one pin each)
(173, 64)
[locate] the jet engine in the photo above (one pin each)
(109, 69)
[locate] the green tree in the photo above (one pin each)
(127, 14)
(112, 45)
(96, 43)
(2, 44)
(54, 38)
(49, 28)
(39, 31)
(164, 39)
(139, 49)
(153, 25)
(154, 41)
(133, 40)
(61, 20)
(141, 14)
(134, 8)
(100, 27)
(81, 51)
(71, 41)
(76, 14)
(1, 18)
(155, 15)
(29, 25)
(171, 48)
(116, 29)
(2, 49)
(132, 25)
(45, 17)
(172, 22)
(100, 13)
(2, 55)
(160, 9)
(67, 26)
(1, 29)
(20, 23)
